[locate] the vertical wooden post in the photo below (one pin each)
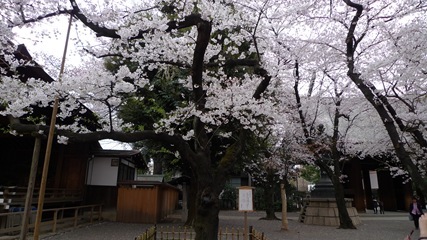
(49, 143)
(284, 207)
(100, 213)
(76, 214)
(184, 202)
(91, 214)
(155, 231)
(45, 171)
(30, 188)
(55, 220)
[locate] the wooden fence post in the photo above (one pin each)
(251, 232)
(155, 231)
(76, 213)
(30, 189)
(100, 213)
(91, 214)
(55, 220)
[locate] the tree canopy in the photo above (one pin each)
(363, 62)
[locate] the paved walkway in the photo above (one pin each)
(388, 226)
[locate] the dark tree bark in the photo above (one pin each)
(191, 203)
(268, 186)
(192, 199)
(344, 217)
(345, 220)
(269, 202)
(209, 185)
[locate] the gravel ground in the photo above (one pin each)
(389, 226)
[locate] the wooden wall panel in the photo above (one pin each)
(145, 204)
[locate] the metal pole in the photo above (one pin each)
(49, 142)
(30, 188)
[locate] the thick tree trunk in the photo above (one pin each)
(207, 221)
(191, 203)
(269, 202)
(345, 220)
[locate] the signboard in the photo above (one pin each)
(245, 199)
(115, 162)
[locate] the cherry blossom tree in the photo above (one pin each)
(321, 112)
(378, 46)
(374, 41)
(395, 101)
(274, 162)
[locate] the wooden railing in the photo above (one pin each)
(52, 218)
(187, 233)
(15, 196)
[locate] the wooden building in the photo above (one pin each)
(83, 168)
(68, 163)
(106, 168)
(368, 180)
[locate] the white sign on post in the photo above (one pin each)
(245, 199)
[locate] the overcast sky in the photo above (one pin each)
(45, 42)
(111, 144)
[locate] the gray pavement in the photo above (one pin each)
(388, 226)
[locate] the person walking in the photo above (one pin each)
(375, 205)
(381, 205)
(416, 210)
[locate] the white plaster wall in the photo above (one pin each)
(101, 173)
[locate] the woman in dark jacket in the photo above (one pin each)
(416, 210)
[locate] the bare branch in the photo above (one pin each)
(299, 105)
(41, 17)
(100, 31)
(350, 35)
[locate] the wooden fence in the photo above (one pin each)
(11, 196)
(52, 218)
(187, 233)
(148, 202)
